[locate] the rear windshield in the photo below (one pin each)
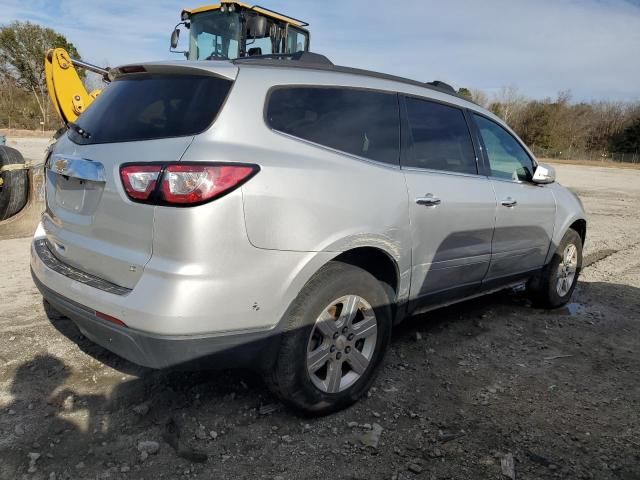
(145, 107)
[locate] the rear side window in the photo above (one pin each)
(145, 107)
(439, 138)
(358, 122)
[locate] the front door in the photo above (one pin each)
(526, 211)
(452, 208)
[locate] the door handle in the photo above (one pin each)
(428, 201)
(509, 202)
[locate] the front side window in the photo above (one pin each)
(507, 158)
(358, 122)
(439, 138)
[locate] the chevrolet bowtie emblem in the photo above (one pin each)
(61, 165)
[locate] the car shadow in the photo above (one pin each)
(45, 396)
(69, 329)
(468, 318)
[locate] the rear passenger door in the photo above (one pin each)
(452, 208)
(526, 211)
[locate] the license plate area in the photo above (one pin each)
(76, 195)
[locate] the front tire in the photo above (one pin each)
(337, 331)
(559, 278)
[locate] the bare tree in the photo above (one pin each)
(508, 103)
(22, 49)
(479, 97)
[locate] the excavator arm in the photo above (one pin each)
(66, 90)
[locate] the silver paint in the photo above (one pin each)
(204, 269)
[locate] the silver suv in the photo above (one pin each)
(284, 214)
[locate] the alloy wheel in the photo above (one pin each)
(342, 343)
(567, 270)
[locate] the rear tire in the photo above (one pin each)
(14, 184)
(337, 331)
(559, 278)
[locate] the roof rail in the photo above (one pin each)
(320, 62)
(442, 86)
(308, 58)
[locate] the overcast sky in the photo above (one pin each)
(541, 46)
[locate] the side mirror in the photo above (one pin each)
(256, 26)
(544, 174)
(175, 37)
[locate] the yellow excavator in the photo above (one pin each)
(225, 31)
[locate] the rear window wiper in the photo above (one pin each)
(79, 130)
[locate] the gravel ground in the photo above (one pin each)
(470, 391)
(32, 148)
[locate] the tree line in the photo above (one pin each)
(552, 126)
(559, 127)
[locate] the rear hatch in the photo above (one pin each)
(150, 114)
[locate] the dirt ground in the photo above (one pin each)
(32, 148)
(21, 133)
(463, 390)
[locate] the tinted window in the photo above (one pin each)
(152, 106)
(439, 138)
(355, 121)
(507, 158)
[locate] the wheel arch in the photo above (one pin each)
(376, 261)
(373, 259)
(580, 226)
(575, 222)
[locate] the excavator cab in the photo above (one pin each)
(231, 30)
(224, 31)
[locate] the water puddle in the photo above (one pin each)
(572, 309)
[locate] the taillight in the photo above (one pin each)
(140, 180)
(183, 184)
(197, 183)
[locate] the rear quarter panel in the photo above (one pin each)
(306, 198)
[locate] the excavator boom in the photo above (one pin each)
(66, 90)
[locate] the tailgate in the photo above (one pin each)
(89, 221)
(152, 116)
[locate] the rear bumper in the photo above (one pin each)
(161, 351)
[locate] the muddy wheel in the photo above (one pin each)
(559, 278)
(13, 184)
(338, 330)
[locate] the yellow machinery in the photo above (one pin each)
(66, 90)
(224, 31)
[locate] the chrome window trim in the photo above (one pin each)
(443, 172)
(517, 182)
